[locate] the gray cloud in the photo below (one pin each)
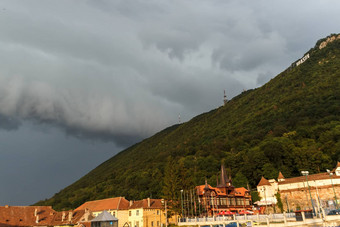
(127, 68)
(114, 72)
(8, 123)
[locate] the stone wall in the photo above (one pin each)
(298, 198)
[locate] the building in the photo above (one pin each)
(117, 207)
(142, 213)
(223, 197)
(319, 190)
(147, 213)
(40, 216)
(104, 219)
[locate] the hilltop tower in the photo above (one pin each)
(225, 100)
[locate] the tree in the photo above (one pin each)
(240, 180)
(172, 185)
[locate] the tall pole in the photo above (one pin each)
(166, 214)
(182, 202)
(306, 193)
(265, 197)
(330, 176)
(305, 173)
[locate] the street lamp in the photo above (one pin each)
(166, 212)
(305, 173)
(330, 176)
(182, 202)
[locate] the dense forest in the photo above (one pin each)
(289, 124)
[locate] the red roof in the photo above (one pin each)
(154, 204)
(36, 216)
(280, 176)
(318, 176)
(218, 191)
(263, 182)
(118, 203)
(241, 191)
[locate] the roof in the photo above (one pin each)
(241, 191)
(280, 176)
(25, 215)
(318, 176)
(263, 182)
(117, 203)
(154, 204)
(104, 216)
(29, 215)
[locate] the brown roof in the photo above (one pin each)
(29, 215)
(312, 177)
(263, 182)
(154, 204)
(280, 176)
(241, 191)
(118, 203)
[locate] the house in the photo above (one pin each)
(321, 190)
(147, 213)
(39, 216)
(223, 197)
(117, 207)
(104, 219)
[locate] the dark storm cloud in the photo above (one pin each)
(113, 72)
(9, 123)
(126, 69)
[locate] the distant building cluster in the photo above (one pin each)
(115, 212)
(314, 191)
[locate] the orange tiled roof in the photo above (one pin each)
(117, 203)
(200, 189)
(154, 204)
(241, 191)
(280, 176)
(318, 176)
(263, 182)
(29, 215)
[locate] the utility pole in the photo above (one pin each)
(330, 176)
(305, 173)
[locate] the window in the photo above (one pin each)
(114, 214)
(130, 213)
(137, 212)
(151, 223)
(137, 223)
(157, 223)
(157, 212)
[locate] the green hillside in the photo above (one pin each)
(292, 123)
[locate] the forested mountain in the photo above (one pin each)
(291, 123)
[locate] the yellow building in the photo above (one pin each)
(118, 207)
(147, 213)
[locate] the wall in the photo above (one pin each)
(298, 197)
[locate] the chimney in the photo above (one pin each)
(6, 206)
(63, 216)
(35, 212)
(131, 202)
(87, 214)
(70, 214)
(37, 219)
(149, 203)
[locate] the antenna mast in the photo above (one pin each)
(225, 100)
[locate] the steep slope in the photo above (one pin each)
(289, 124)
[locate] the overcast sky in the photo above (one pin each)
(82, 80)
